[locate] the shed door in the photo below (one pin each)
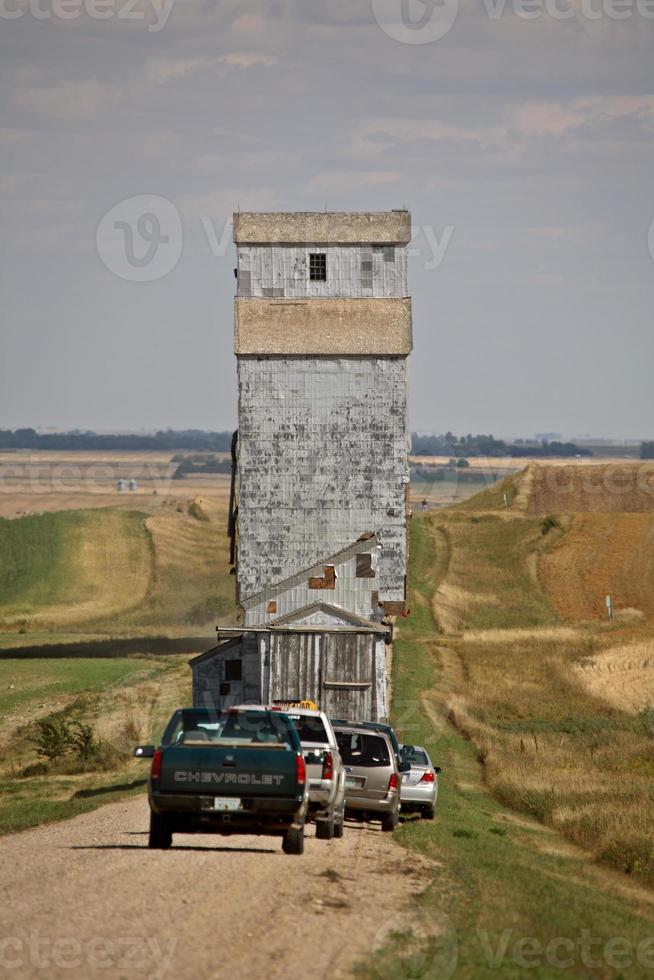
(348, 676)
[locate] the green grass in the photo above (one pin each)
(126, 701)
(492, 498)
(489, 560)
(112, 573)
(37, 801)
(37, 559)
(24, 682)
(497, 881)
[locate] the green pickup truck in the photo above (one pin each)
(227, 772)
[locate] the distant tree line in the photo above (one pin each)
(201, 441)
(488, 445)
(193, 439)
(199, 464)
(647, 450)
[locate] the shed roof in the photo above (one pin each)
(346, 617)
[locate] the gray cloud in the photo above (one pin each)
(531, 139)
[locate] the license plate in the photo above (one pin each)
(354, 782)
(226, 803)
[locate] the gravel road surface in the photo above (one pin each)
(86, 898)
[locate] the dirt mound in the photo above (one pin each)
(609, 489)
(602, 554)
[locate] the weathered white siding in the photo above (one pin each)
(343, 672)
(352, 593)
(353, 271)
(322, 460)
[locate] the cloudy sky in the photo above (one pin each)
(520, 135)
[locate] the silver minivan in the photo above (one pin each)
(372, 778)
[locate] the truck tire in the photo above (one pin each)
(325, 828)
(339, 827)
(161, 836)
(428, 813)
(293, 842)
(390, 822)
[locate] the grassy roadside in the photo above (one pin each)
(123, 701)
(510, 898)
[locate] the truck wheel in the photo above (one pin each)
(390, 822)
(161, 836)
(338, 828)
(293, 842)
(325, 828)
(428, 813)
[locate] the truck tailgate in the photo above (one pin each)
(230, 771)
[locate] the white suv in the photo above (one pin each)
(325, 770)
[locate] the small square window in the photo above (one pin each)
(317, 267)
(232, 670)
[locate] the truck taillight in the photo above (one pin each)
(155, 769)
(392, 783)
(428, 777)
(300, 769)
(328, 766)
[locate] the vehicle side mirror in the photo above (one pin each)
(144, 751)
(437, 769)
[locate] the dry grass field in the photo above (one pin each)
(36, 483)
(558, 701)
(104, 572)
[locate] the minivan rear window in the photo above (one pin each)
(358, 749)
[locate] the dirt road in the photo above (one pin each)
(86, 898)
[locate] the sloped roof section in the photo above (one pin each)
(367, 542)
(335, 613)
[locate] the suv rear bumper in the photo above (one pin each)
(389, 804)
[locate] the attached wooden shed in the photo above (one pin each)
(320, 653)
